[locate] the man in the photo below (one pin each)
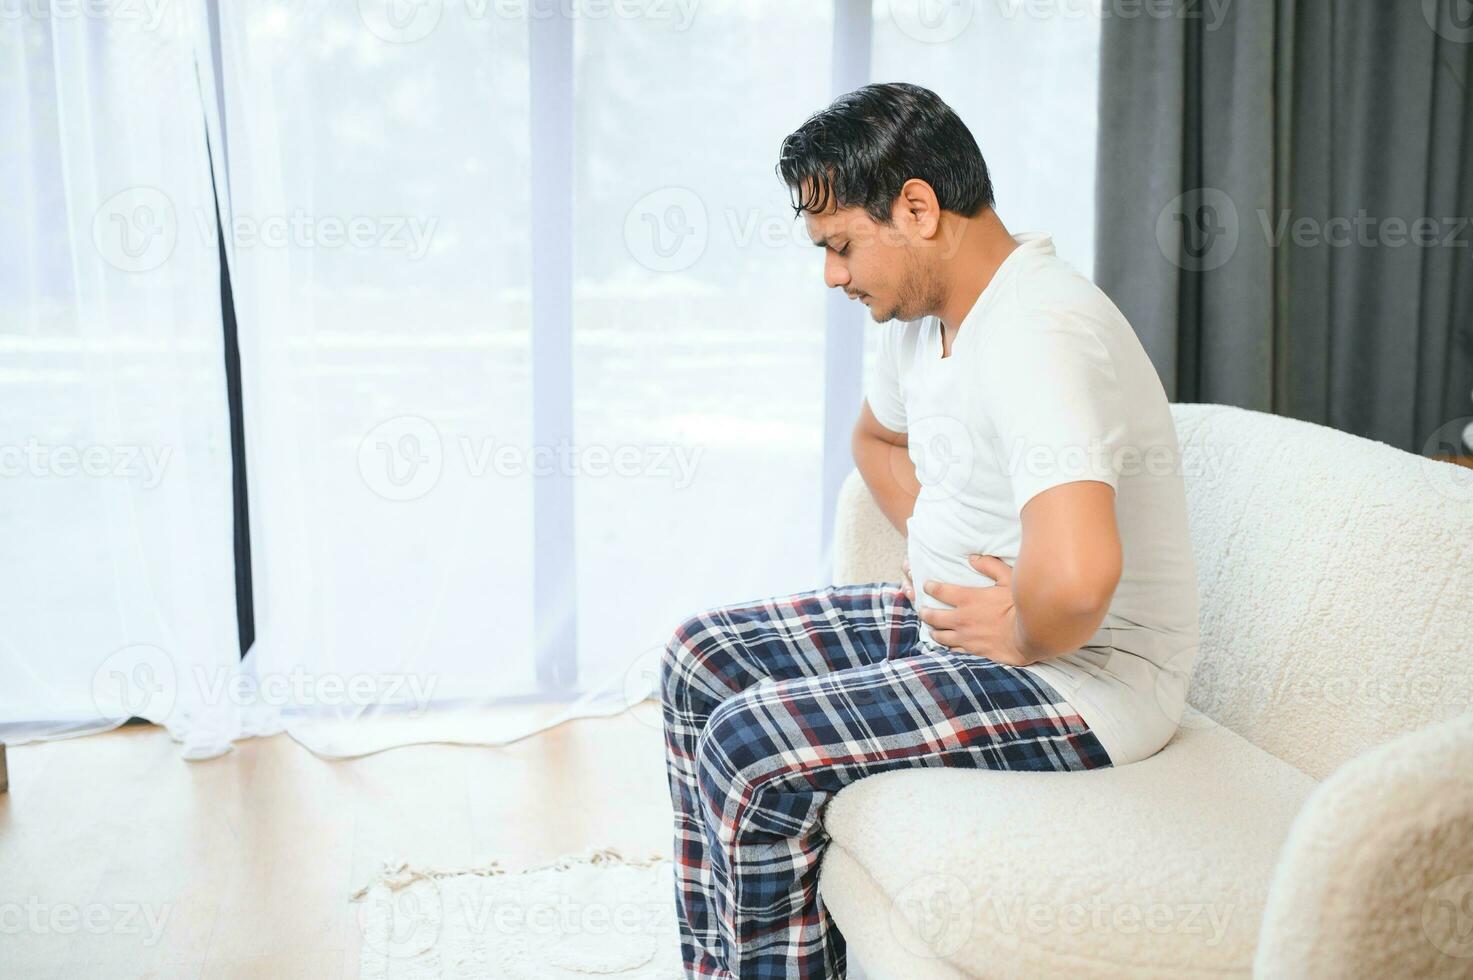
(1015, 431)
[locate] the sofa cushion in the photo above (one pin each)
(1336, 584)
(1156, 869)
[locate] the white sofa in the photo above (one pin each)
(1312, 817)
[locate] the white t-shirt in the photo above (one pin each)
(1046, 384)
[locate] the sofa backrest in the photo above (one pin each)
(1336, 583)
(1335, 577)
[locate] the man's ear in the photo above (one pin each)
(916, 207)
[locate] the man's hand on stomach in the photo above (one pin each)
(1055, 597)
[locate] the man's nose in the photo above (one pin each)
(834, 272)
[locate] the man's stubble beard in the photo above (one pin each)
(918, 294)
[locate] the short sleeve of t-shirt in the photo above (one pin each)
(1055, 403)
(882, 386)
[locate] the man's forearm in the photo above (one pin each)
(890, 475)
(1050, 620)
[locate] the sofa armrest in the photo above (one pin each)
(1376, 877)
(867, 548)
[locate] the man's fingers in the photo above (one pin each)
(993, 567)
(945, 619)
(947, 638)
(947, 592)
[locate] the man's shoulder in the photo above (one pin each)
(1055, 310)
(1050, 284)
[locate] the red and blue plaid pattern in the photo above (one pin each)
(771, 707)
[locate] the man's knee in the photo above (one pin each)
(699, 669)
(719, 752)
(735, 747)
(747, 779)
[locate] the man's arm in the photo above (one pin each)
(1068, 566)
(883, 458)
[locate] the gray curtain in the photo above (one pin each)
(1263, 166)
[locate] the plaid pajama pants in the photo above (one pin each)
(770, 708)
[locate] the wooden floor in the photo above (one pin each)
(245, 863)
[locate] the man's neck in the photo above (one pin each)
(982, 245)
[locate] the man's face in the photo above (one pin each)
(877, 264)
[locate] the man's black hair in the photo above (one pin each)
(863, 148)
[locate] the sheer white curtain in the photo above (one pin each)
(117, 589)
(379, 199)
(536, 359)
(455, 497)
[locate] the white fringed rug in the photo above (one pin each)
(591, 915)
